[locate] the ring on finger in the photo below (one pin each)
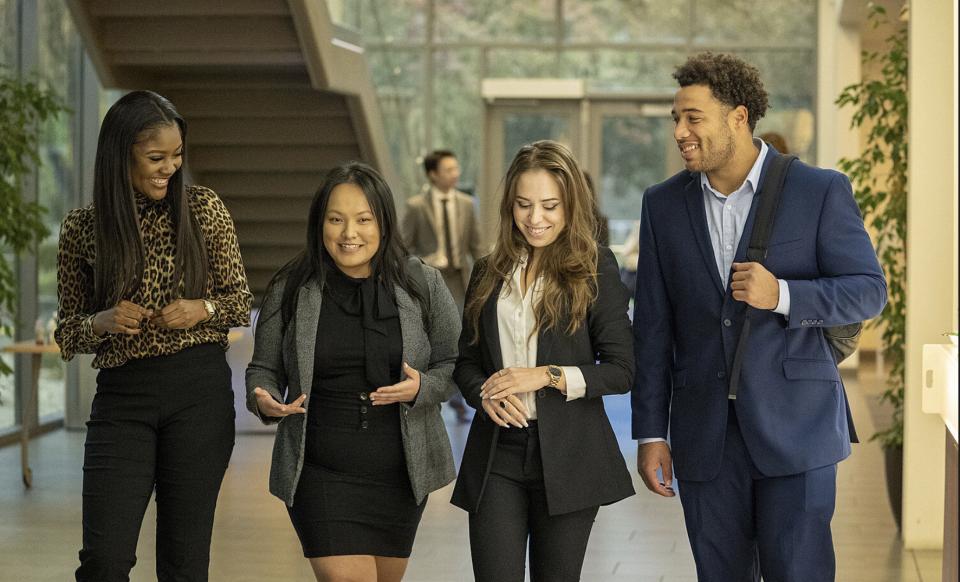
(503, 404)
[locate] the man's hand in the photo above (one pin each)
(653, 456)
(755, 285)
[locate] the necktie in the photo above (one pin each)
(448, 235)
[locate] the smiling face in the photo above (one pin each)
(704, 130)
(351, 235)
(157, 155)
(538, 210)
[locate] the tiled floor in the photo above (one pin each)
(641, 539)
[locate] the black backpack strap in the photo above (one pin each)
(768, 202)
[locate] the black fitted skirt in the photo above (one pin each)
(354, 495)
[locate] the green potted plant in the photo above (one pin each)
(879, 177)
(24, 105)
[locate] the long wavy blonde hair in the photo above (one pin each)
(568, 265)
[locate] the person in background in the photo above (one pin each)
(775, 139)
(354, 350)
(150, 279)
(440, 226)
(545, 337)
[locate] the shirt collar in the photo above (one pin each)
(753, 177)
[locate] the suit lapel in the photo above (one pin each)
(308, 317)
(490, 329)
(698, 222)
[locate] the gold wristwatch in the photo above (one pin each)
(556, 374)
(211, 310)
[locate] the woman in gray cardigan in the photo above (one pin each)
(355, 347)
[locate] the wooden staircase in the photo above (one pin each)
(272, 98)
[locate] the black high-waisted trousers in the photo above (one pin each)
(163, 424)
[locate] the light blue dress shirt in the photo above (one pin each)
(726, 217)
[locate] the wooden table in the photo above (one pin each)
(36, 352)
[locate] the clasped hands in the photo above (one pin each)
(499, 394)
(403, 391)
(127, 317)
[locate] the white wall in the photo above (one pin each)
(931, 244)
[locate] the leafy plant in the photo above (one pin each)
(24, 105)
(879, 177)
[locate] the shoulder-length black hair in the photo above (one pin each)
(119, 258)
(388, 265)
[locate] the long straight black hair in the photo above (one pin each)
(389, 263)
(119, 259)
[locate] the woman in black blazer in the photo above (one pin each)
(545, 335)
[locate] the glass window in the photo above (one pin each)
(58, 67)
(620, 71)
(729, 22)
(459, 110)
(8, 62)
(397, 20)
(611, 21)
(504, 62)
(495, 20)
(790, 78)
(397, 76)
(8, 33)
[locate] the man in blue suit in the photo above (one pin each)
(757, 471)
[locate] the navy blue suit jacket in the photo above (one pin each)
(791, 406)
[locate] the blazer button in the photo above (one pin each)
(721, 374)
(727, 323)
(363, 410)
(363, 396)
(541, 393)
(364, 425)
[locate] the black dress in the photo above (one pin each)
(354, 494)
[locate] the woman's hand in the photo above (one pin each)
(181, 314)
(514, 381)
(125, 317)
(270, 407)
(506, 412)
(405, 391)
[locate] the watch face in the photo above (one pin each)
(554, 371)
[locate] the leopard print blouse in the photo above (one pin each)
(226, 283)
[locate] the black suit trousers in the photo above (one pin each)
(163, 424)
(514, 509)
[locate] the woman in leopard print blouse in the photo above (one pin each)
(150, 279)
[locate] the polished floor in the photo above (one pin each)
(641, 539)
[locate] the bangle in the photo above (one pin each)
(86, 327)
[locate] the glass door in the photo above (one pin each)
(631, 149)
(510, 125)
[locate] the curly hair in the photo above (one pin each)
(734, 82)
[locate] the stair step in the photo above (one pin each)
(199, 33)
(278, 131)
(271, 158)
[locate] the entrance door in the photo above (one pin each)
(631, 149)
(513, 124)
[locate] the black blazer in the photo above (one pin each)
(582, 464)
